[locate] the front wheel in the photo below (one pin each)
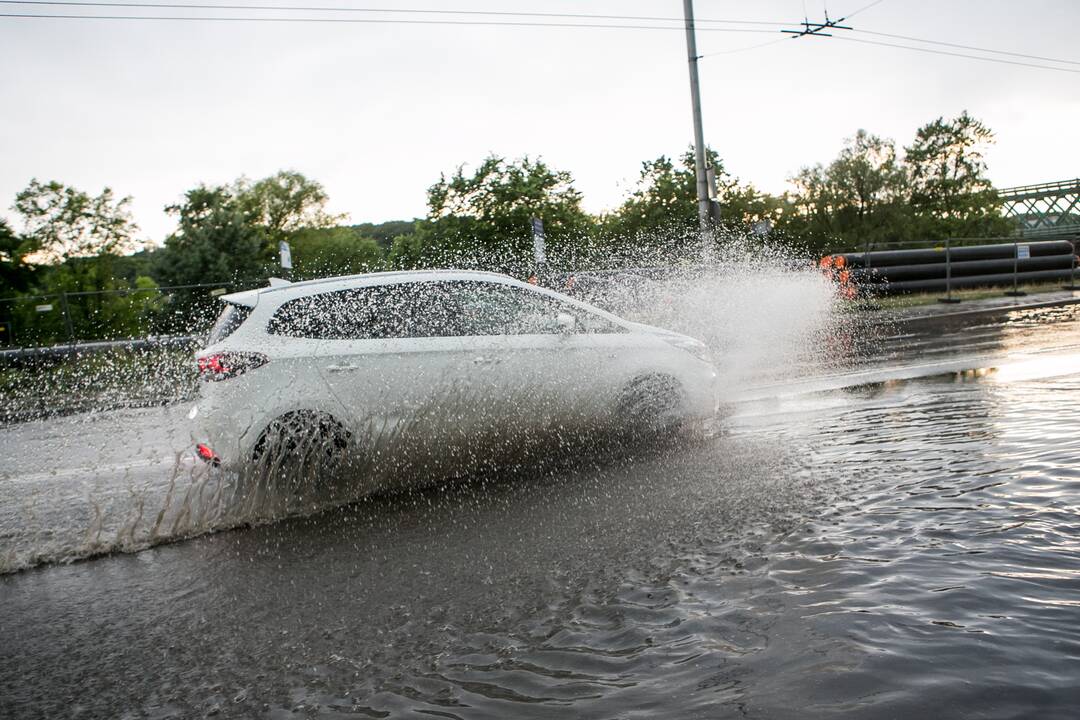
(651, 404)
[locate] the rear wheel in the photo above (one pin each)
(300, 440)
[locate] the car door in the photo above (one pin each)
(394, 362)
(540, 375)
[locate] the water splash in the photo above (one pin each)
(764, 312)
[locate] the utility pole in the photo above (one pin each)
(699, 135)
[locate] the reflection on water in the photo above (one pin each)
(944, 582)
(1036, 368)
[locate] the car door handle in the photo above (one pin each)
(481, 360)
(341, 368)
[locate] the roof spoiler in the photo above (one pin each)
(279, 282)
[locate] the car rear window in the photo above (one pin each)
(231, 317)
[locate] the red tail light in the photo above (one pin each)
(222, 366)
(205, 453)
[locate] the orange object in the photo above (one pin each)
(825, 262)
(839, 261)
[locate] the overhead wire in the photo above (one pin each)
(633, 22)
(853, 13)
(954, 54)
(400, 11)
(967, 47)
(369, 21)
(743, 49)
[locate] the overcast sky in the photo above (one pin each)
(376, 112)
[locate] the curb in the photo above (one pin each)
(987, 309)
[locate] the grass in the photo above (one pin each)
(897, 302)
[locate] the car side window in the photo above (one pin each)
(429, 309)
(378, 312)
(488, 308)
(311, 316)
(408, 310)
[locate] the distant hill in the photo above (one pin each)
(384, 232)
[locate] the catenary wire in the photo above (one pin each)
(742, 50)
(967, 47)
(953, 54)
(370, 21)
(853, 13)
(206, 6)
(352, 9)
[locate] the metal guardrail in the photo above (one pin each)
(178, 342)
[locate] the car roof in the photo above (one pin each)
(287, 289)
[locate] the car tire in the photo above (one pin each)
(651, 404)
(304, 438)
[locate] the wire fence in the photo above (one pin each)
(107, 315)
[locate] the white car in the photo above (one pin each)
(433, 364)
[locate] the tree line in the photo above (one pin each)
(83, 247)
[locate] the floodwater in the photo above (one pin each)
(887, 538)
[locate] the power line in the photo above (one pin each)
(369, 21)
(806, 25)
(743, 49)
(953, 54)
(864, 7)
(372, 21)
(351, 9)
(967, 47)
(809, 29)
(815, 29)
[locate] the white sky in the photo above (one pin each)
(376, 112)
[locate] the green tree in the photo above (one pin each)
(950, 192)
(230, 233)
(859, 199)
(215, 241)
(483, 219)
(132, 311)
(16, 274)
(319, 252)
(662, 209)
(283, 203)
(75, 239)
(385, 232)
(62, 222)
(99, 304)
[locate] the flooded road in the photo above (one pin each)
(893, 534)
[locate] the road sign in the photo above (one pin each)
(286, 255)
(539, 249)
(1023, 252)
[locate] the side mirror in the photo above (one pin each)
(565, 323)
